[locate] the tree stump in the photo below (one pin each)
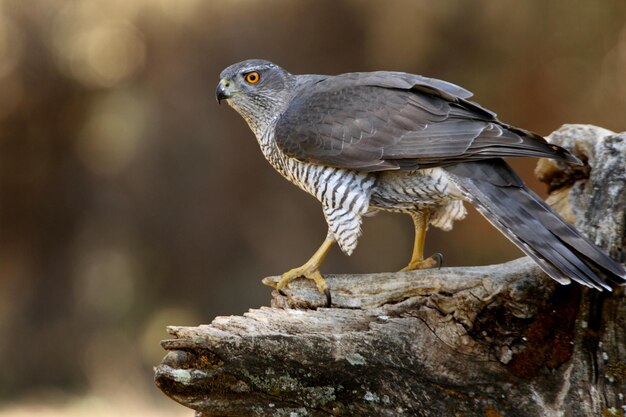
(499, 340)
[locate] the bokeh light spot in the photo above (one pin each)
(97, 51)
(10, 46)
(105, 282)
(112, 133)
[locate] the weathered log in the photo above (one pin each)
(500, 340)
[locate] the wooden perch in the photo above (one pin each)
(499, 340)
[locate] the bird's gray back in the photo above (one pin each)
(389, 121)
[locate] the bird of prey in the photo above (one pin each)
(369, 141)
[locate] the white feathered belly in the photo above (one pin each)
(409, 191)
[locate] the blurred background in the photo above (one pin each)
(130, 200)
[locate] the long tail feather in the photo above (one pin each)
(559, 249)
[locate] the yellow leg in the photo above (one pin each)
(420, 221)
(310, 270)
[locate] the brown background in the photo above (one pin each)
(130, 200)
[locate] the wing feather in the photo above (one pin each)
(382, 120)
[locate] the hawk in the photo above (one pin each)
(369, 141)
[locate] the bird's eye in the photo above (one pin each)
(252, 77)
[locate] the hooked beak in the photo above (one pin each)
(222, 92)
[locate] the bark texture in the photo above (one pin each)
(500, 340)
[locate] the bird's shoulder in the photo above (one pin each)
(374, 89)
(308, 84)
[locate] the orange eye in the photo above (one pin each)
(253, 77)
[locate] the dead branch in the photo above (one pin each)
(499, 340)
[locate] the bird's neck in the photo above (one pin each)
(269, 148)
(261, 127)
(262, 121)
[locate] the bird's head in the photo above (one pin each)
(259, 90)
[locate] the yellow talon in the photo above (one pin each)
(303, 272)
(434, 261)
(310, 270)
(420, 221)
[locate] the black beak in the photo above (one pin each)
(220, 93)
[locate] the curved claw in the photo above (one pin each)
(305, 271)
(439, 258)
(434, 261)
(310, 270)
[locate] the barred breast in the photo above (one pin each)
(348, 195)
(344, 194)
